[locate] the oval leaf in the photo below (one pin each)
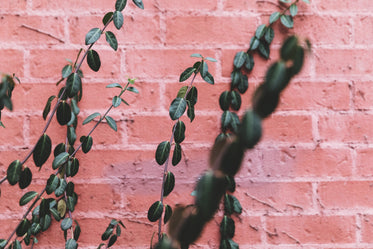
(116, 101)
(167, 214)
(93, 60)
(162, 152)
(176, 157)
(250, 130)
(107, 17)
(120, 5)
(23, 227)
(287, 21)
(66, 224)
(224, 100)
(138, 3)
(71, 244)
(155, 211)
(240, 59)
(91, 117)
(42, 150)
(192, 95)
(73, 85)
(25, 178)
(186, 74)
(26, 198)
(14, 172)
(118, 19)
(169, 183)
(52, 184)
(60, 159)
(274, 17)
(92, 36)
(112, 40)
(177, 108)
(111, 122)
(87, 143)
(179, 132)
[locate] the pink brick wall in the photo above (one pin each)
(308, 182)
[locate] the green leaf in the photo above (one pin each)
(3, 243)
(26, 198)
(120, 5)
(276, 77)
(250, 130)
(70, 203)
(87, 143)
(169, 183)
(240, 59)
(125, 102)
(289, 48)
(177, 108)
(112, 40)
(92, 36)
(176, 157)
(224, 100)
(264, 102)
(226, 119)
(181, 93)
(155, 211)
(17, 244)
(23, 227)
(107, 17)
(254, 43)
(138, 3)
(196, 55)
(243, 84)
(269, 35)
(190, 111)
(25, 178)
(118, 231)
(287, 21)
(66, 224)
(60, 159)
(45, 222)
(116, 101)
(42, 150)
(14, 172)
(133, 89)
(91, 117)
(231, 183)
(111, 122)
(298, 59)
(264, 49)
(235, 78)
(35, 228)
(249, 62)
(274, 17)
(167, 213)
(293, 9)
(73, 84)
(237, 208)
(192, 95)
(162, 152)
(52, 184)
(93, 60)
(179, 132)
(118, 19)
(204, 69)
(235, 100)
(306, 1)
(1, 124)
(74, 167)
(227, 228)
(114, 85)
(231, 158)
(186, 74)
(63, 113)
(70, 189)
(211, 59)
(108, 232)
(112, 240)
(260, 31)
(71, 244)
(66, 71)
(209, 78)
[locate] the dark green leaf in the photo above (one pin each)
(93, 60)
(108, 232)
(114, 85)
(298, 59)
(3, 243)
(264, 102)
(112, 240)
(120, 5)
(227, 227)
(112, 40)
(25, 178)
(74, 167)
(70, 203)
(14, 172)
(226, 119)
(167, 214)
(190, 111)
(92, 36)
(264, 49)
(138, 3)
(274, 17)
(177, 108)
(45, 222)
(176, 157)
(59, 149)
(87, 143)
(66, 224)
(243, 84)
(55, 214)
(249, 63)
(35, 228)
(186, 74)
(235, 100)
(116, 101)
(209, 78)
(52, 184)
(26, 198)
(71, 135)
(269, 35)
(132, 89)
(250, 129)
(66, 71)
(60, 159)
(73, 84)
(71, 244)
(70, 189)
(17, 244)
(111, 122)
(23, 227)
(162, 152)
(276, 77)
(63, 113)
(155, 211)
(118, 231)
(237, 208)
(293, 9)
(192, 95)
(169, 183)
(179, 133)
(125, 102)
(74, 107)
(224, 100)
(260, 31)
(107, 17)
(118, 19)
(61, 188)
(287, 21)
(231, 158)
(91, 117)
(254, 43)
(77, 230)
(240, 59)
(231, 183)
(47, 107)
(288, 48)
(235, 78)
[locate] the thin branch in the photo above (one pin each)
(42, 32)
(2, 180)
(263, 202)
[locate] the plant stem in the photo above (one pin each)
(2, 180)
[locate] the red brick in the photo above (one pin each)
(146, 31)
(362, 27)
(12, 61)
(363, 97)
(42, 67)
(315, 96)
(311, 229)
(199, 30)
(72, 6)
(346, 62)
(15, 5)
(275, 196)
(13, 31)
(13, 133)
(170, 5)
(344, 5)
(165, 63)
(287, 128)
(351, 194)
(367, 228)
(346, 128)
(364, 158)
(269, 6)
(298, 162)
(9, 204)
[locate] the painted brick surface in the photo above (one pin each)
(308, 184)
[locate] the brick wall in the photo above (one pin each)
(308, 184)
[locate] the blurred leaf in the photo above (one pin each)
(155, 211)
(186, 74)
(14, 172)
(293, 9)
(132, 89)
(26, 198)
(107, 17)
(177, 108)
(288, 48)
(25, 178)
(71, 244)
(111, 122)
(211, 59)
(276, 77)
(138, 3)
(250, 129)
(274, 17)
(112, 240)
(287, 21)
(93, 60)
(118, 19)
(92, 36)
(162, 152)
(112, 40)
(264, 102)
(91, 117)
